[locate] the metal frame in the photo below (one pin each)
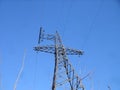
(64, 73)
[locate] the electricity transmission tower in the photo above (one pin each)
(64, 77)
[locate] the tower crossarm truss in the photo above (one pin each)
(64, 73)
(51, 49)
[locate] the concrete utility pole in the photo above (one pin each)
(64, 74)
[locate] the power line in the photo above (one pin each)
(92, 24)
(66, 16)
(36, 67)
(1, 87)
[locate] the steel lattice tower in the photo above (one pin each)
(64, 74)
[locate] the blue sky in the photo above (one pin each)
(89, 25)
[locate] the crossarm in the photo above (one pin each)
(51, 49)
(47, 49)
(70, 51)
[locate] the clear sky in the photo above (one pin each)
(89, 25)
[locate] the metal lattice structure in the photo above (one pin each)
(64, 77)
